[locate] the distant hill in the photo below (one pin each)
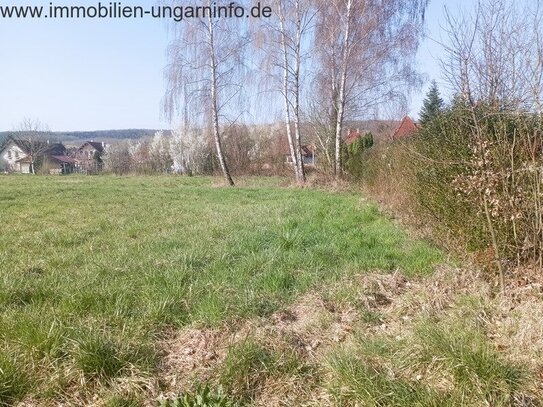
(75, 137)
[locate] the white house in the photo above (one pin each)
(11, 152)
(22, 155)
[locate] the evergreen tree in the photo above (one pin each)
(353, 158)
(432, 105)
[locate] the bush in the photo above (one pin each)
(473, 173)
(353, 155)
(480, 173)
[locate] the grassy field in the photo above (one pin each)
(98, 273)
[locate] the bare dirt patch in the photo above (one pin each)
(190, 355)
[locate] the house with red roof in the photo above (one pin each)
(406, 128)
(352, 136)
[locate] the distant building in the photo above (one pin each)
(406, 128)
(12, 151)
(88, 157)
(20, 155)
(352, 136)
(308, 152)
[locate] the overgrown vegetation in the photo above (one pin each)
(238, 297)
(438, 341)
(354, 155)
(480, 174)
(475, 173)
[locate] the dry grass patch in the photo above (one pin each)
(382, 340)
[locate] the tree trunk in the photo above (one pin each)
(342, 85)
(214, 105)
(292, 149)
(298, 144)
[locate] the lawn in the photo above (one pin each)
(95, 271)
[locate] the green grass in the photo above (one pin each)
(457, 365)
(478, 370)
(249, 364)
(357, 382)
(14, 382)
(93, 269)
(202, 397)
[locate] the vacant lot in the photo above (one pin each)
(114, 291)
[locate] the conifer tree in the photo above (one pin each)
(432, 105)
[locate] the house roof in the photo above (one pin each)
(308, 149)
(352, 136)
(10, 140)
(41, 146)
(25, 159)
(64, 159)
(405, 128)
(97, 145)
(284, 148)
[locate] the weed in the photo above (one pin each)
(246, 367)
(478, 371)
(201, 397)
(357, 382)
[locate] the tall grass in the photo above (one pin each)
(444, 363)
(93, 269)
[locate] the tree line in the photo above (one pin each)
(323, 62)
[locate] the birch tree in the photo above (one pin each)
(32, 134)
(286, 45)
(203, 74)
(366, 50)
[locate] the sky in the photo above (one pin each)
(431, 49)
(108, 74)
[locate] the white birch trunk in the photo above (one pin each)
(342, 85)
(292, 149)
(297, 63)
(214, 103)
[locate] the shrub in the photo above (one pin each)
(353, 155)
(474, 173)
(479, 172)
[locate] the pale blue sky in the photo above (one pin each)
(108, 74)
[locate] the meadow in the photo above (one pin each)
(98, 273)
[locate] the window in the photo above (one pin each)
(9, 154)
(16, 155)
